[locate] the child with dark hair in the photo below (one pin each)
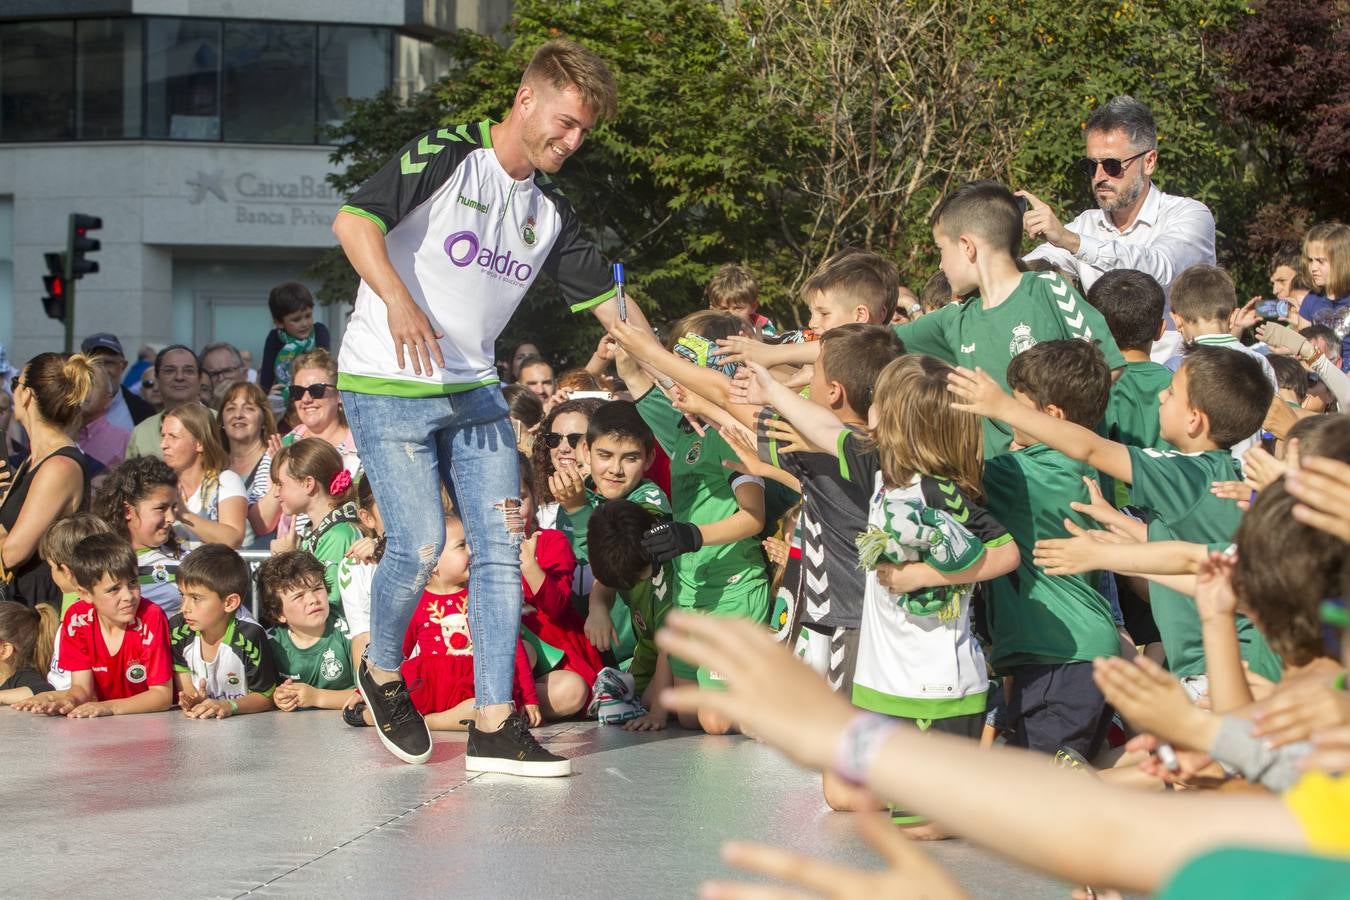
(57, 546)
(1133, 304)
(1045, 629)
(222, 663)
(634, 697)
(1216, 399)
(138, 500)
(294, 332)
(114, 644)
(978, 231)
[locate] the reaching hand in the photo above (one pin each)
(977, 393)
(1240, 492)
(1081, 552)
(765, 689)
(1151, 699)
(1322, 487)
(599, 628)
(1214, 597)
(1261, 467)
(910, 873)
(639, 343)
(746, 452)
(667, 540)
(1100, 510)
(788, 437)
(1301, 708)
(740, 350)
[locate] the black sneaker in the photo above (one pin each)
(398, 723)
(352, 714)
(511, 750)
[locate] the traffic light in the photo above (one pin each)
(54, 303)
(81, 243)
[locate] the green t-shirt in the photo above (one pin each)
(326, 665)
(1035, 618)
(1174, 488)
(1132, 416)
(1044, 307)
(576, 524)
(328, 542)
(648, 602)
(701, 493)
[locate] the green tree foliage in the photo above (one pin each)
(774, 132)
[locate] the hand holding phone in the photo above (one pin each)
(1273, 309)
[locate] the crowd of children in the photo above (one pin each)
(978, 497)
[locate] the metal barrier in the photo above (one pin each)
(254, 558)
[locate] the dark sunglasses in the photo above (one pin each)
(1113, 167)
(553, 440)
(317, 391)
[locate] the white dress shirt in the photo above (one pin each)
(1168, 235)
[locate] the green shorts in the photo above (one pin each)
(749, 601)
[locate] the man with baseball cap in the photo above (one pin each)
(127, 410)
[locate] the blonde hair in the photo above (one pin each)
(315, 458)
(1335, 240)
(919, 433)
(58, 542)
(319, 358)
(254, 395)
(732, 286)
(60, 385)
(564, 65)
(199, 422)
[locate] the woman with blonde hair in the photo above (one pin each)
(212, 501)
(52, 483)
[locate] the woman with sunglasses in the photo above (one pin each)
(561, 442)
(52, 482)
(318, 408)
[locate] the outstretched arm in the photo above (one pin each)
(977, 393)
(1007, 800)
(817, 425)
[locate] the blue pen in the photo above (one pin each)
(618, 292)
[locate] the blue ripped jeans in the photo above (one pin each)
(409, 447)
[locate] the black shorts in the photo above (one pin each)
(967, 726)
(1052, 707)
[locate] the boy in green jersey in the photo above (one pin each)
(310, 643)
(618, 527)
(1216, 398)
(1133, 305)
(1047, 629)
(719, 565)
(620, 447)
(978, 231)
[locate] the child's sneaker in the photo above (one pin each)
(511, 750)
(614, 698)
(353, 715)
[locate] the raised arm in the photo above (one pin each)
(977, 393)
(816, 424)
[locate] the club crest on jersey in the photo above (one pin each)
(527, 233)
(136, 673)
(639, 621)
(329, 666)
(694, 453)
(232, 679)
(160, 574)
(1021, 339)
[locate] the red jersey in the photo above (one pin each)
(548, 612)
(142, 661)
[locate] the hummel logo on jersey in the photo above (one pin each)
(463, 249)
(474, 204)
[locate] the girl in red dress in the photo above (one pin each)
(546, 567)
(440, 671)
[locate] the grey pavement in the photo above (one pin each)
(301, 805)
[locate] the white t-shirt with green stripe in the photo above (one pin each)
(467, 240)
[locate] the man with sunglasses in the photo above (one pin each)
(447, 237)
(1136, 226)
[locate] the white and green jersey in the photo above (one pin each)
(921, 665)
(157, 572)
(467, 240)
(243, 662)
